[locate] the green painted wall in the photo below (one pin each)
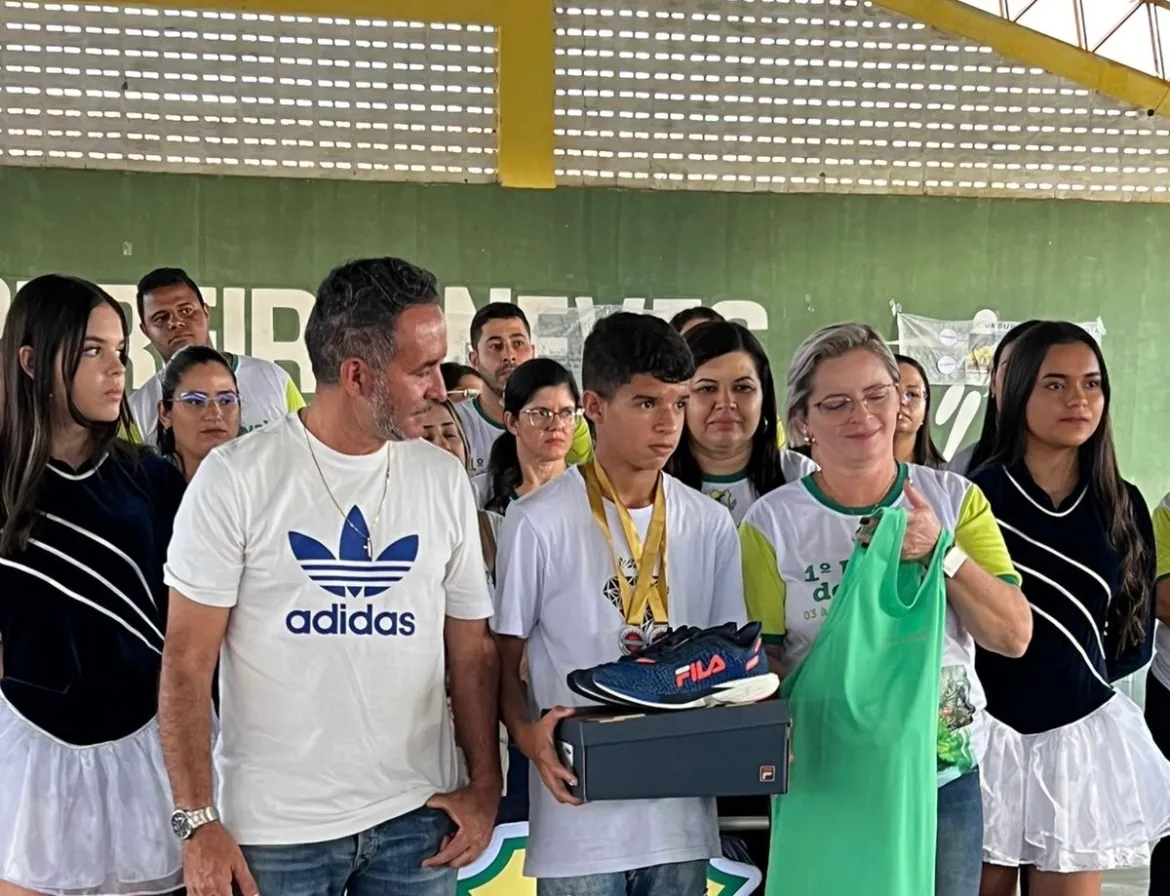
(807, 260)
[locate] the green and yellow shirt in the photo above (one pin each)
(796, 543)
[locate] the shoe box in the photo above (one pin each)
(723, 751)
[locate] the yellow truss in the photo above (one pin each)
(1082, 67)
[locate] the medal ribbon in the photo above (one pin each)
(647, 558)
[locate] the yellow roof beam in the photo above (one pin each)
(525, 92)
(1125, 84)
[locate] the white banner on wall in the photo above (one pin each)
(960, 351)
(560, 335)
(245, 320)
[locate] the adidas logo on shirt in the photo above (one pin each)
(353, 572)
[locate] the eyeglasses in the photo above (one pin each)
(543, 418)
(839, 409)
(201, 401)
(911, 398)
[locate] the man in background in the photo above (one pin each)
(501, 341)
(173, 315)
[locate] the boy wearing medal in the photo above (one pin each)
(582, 579)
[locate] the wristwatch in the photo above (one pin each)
(953, 560)
(185, 823)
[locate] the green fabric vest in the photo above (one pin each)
(861, 812)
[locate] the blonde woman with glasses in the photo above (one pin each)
(843, 400)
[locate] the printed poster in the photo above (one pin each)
(957, 355)
(960, 351)
(560, 334)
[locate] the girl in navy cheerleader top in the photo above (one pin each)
(84, 524)
(1073, 784)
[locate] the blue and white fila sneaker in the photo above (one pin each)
(580, 681)
(719, 666)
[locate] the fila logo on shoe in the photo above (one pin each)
(699, 671)
(757, 653)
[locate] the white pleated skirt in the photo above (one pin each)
(1090, 796)
(85, 821)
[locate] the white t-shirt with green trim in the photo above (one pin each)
(481, 432)
(556, 587)
(267, 393)
(796, 543)
(737, 493)
(1161, 667)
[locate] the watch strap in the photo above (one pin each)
(953, 560)
(197, 818)
(203, 816)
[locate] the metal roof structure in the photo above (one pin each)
(745, 95)
(1135, 33)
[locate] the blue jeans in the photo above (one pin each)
(959, 847)
(386, 860)
(681, 879)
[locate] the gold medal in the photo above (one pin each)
(645, 605)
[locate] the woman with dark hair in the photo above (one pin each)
(541, 408)
(1073, 784)
(971, 458)
(199, 409)
(84, 525)
(912, 441)
(729, 450)
(689, 318)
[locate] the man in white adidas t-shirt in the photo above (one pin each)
(558, 594)
(173, 315)
(334, 556)
(501, 341)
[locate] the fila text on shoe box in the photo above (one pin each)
(722, 751)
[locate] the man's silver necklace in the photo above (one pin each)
(368, 536)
